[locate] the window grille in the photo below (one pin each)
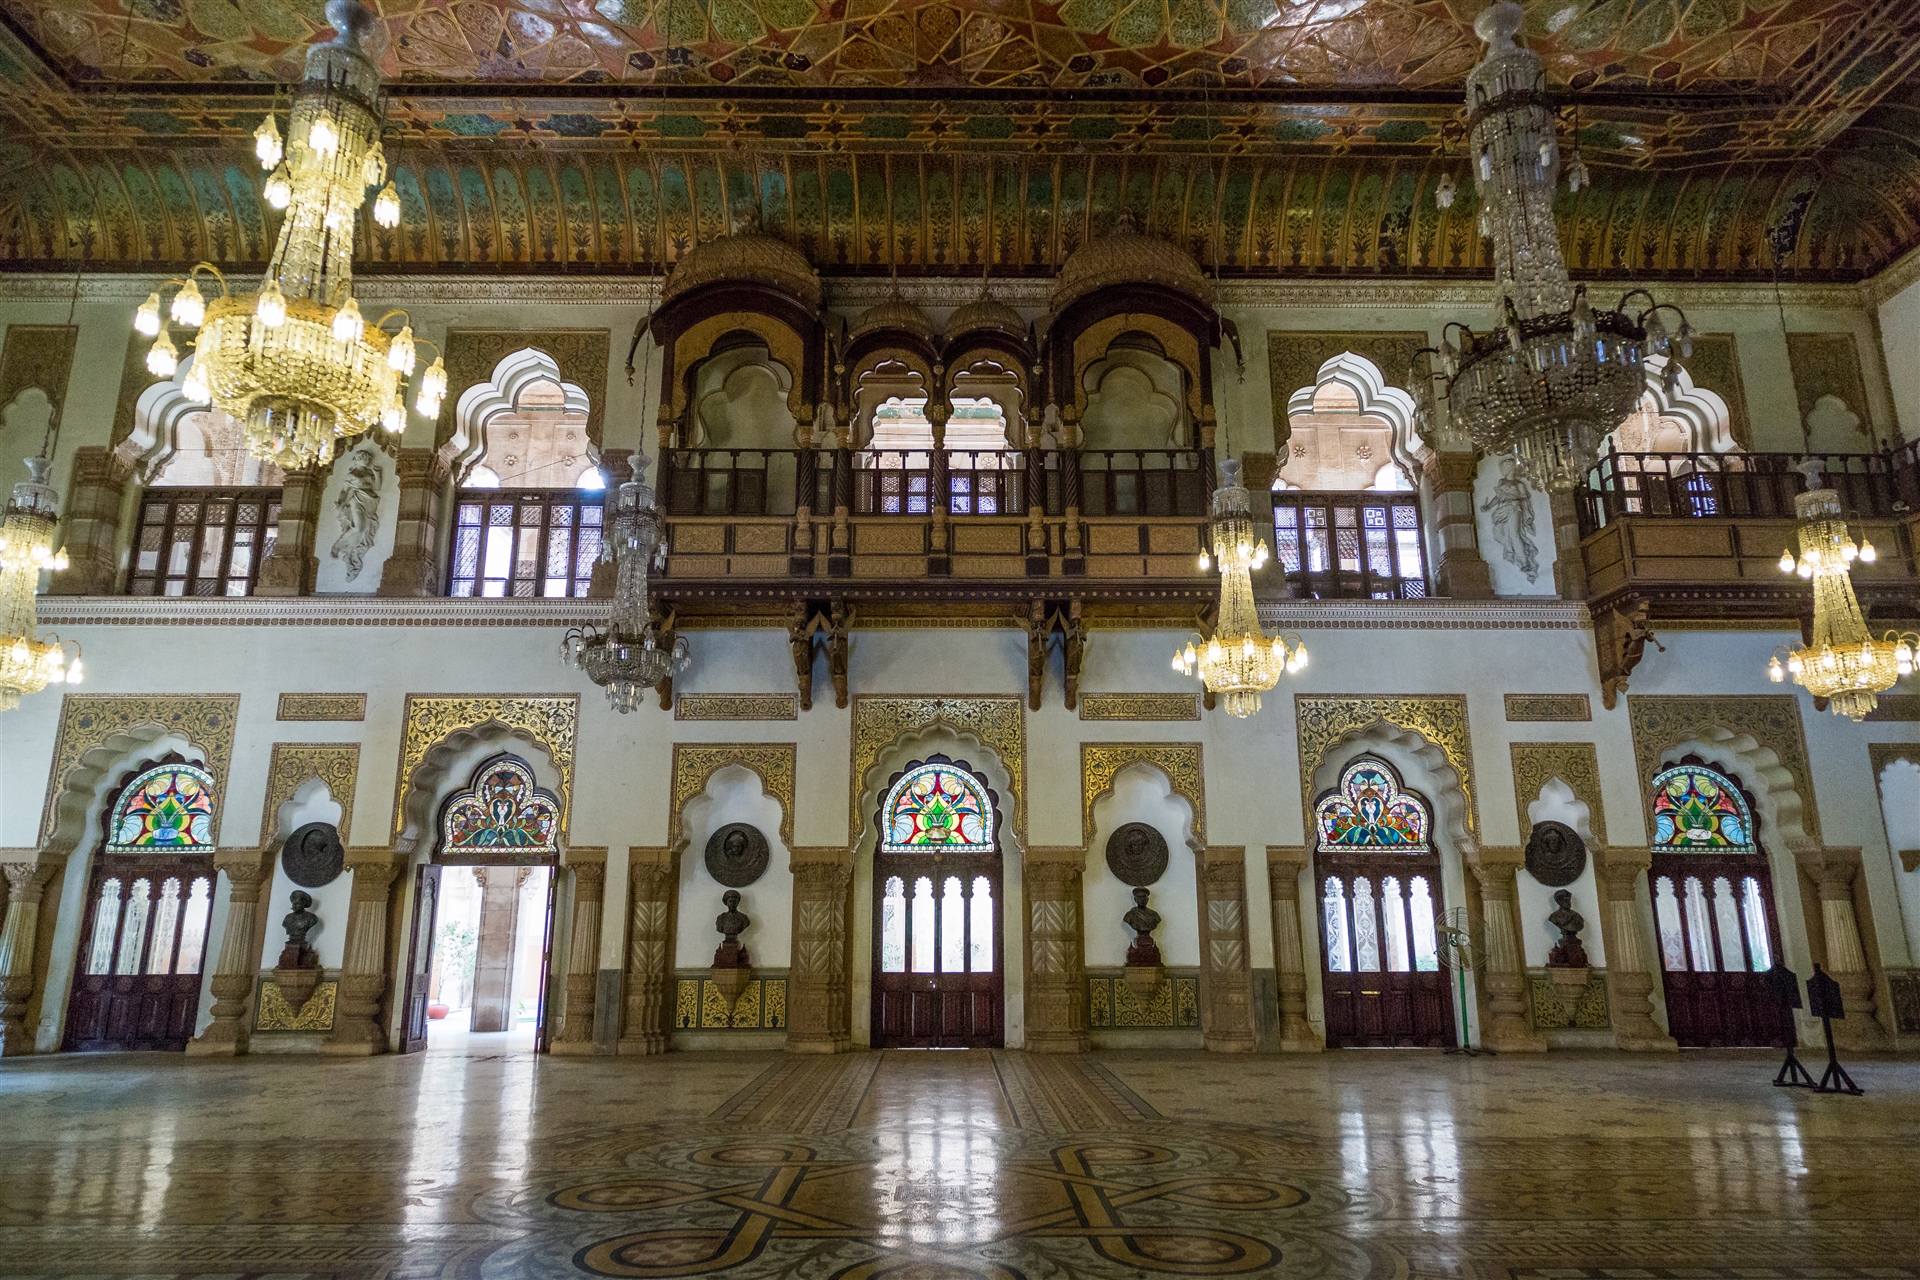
(524, 544)
(203, 542)
(1350, 546)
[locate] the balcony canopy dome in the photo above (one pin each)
(746, 255)
(986, 312)
(1127, 257)
(896, 313)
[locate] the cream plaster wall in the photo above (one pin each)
(734, 795)
(1900, 337)
(1900, 809)
(1556, 803)
(1141, 793)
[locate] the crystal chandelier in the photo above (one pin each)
(1844, 664)
(628, 657)
(295, 362)
(29, 663)
(1240, 661)
(1554, 376)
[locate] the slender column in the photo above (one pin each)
(1846, 959)
(817, 990)
(248, 871)
(1462, 572)
(1056, 965)
(363, 971)
(494, 948)
(650, 881)
(583, 957)
(414, 567)
(95, 496)
(1569, 569)
(1227, 1013)
(1504, 1026)
(1630, 973)
(1284, 866)
(26, 882)
(290, 569)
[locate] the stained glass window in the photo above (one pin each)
(167, 809)
(1695, 808)
(1369, 811)
(936, 806)
(503, 811)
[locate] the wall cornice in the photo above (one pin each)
(1426, 615)
(1889, 283)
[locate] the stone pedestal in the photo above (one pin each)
(238, 965)
(589, 868)
(1629, 976)
(1504, 1026)
(1569, 983)
(297, 985)
(1056, 970)
(1284, 866)
(1846, 962)
(817, 987)
(291, 567)
(494, 948)
(363, 975)
(1226, 1019)
(650, 883)
(26, 883)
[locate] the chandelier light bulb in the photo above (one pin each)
(266, 142)
(1206, 562)
(279, 188)
(1775, 672)
(1796, 664)
(433, 384)
(1300, 653)
(271, 310)
(189, 308)
(146, 320)
(59, 562)
(1179, 665)
(73, 672)
(1867, 554)
(395, 418)
(1903, 653)
(162, 357)
(400, 356)
(19, 652)
(195, 387)
(347, 324)
(1214, 652)
(386, 207)
(1444, 191)
(373, 171)
(1786, 562)
(1827, 659)
(322, 138)
(1805, 568)
(1848, 552)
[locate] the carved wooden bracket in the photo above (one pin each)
(1620, 638)
(814, 624)
(1047, 620)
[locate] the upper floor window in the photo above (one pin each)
(209, 516)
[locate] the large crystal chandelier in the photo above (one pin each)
(296, 362)
(1239, 661)
(630, 656)
(1844, 664)
(1554, 376)
(29, 663)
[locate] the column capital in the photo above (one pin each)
(589, 880)
(822, 877)
(1284, 865)
(248, 871)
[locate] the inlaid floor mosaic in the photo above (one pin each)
(937, 1166)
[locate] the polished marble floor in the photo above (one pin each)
(480, 1160)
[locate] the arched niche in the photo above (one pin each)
(526, 427)
(1898, 776)
(448, 766)
(312, 801)
(176, 442)
(1140, 792)
(1556, 802)
(686, 351)
(1135, 397)
(1350, 430)
(985, 375)
(1690, 419)
(890, 379)
(23, 428)
(732, 794)
(740, 399)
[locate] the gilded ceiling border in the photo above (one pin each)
(293, 764)
(1664, 721)
(998, 721)
(774, 763)
(88, 720)
(1575, 763)
(1322, 719)
(430, 718)
(1101, 762)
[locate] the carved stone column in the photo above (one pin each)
(1056, 965)
(818, 998)
(1226, 1023)
(1832, 870)
(414, 567)
(493, 950)
(291, 568)
(1569, 569)
(583, 957)
(1462, 572)
(249, 871)
(1284, 866)
(650, 884)
(26, 883)
(1502, 978)
(1630, 971)
(363, 970)
(95, 495)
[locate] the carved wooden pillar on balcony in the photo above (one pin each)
(819, 998)
(806, 486)
(650, 884)
(96, 496)
(1209, 469)
(414, 567)
(1502, 977)
(1284, 868)
(939, 490)
(1073, 557)
(290, 569)
(234, 972)
(840, 549)
(1630, 975)
(1462, 572)
(1833, 872)
(1056, 966)
(589, 867)
(27, 872)
(1226, 982)
(357, 1027)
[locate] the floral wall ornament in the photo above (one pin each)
(357, 505)
(1696, 808)
(503, 811)
(939, 804)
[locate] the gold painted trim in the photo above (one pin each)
(773, 763)
(1100, 762)
(1575, 763)
(1321, 720)
(430, 718)
(293, 763)
(1537, 708)
(273, 1013)
(737, 706)
(998, 721)
(1662, 722)
(322, 706)
(89, 720)
(1139, 706)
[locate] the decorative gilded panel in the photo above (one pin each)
(322, 706)
(737, 706)
(1139, 706)
(581, 354)
(1589, 1012)
(1715, 365)
(998, 722)
(695, 763)
(1528, 707)
(1828, 364)
(549, 720)
(1174, 1004)
(1321, 720)
(89, 720)
(700, 1005)
(1294, 357)
(36, 355)
(273, 1013)
(1575, 763)
(335, 763)
(1179, 761)
(1896, 708)
(1772, 720)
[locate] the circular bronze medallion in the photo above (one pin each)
(1555, 854)
(737, 855)
(313, 856)
(1137, 854)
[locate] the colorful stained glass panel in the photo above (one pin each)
(503, 811)
(1695, 808)
(167, 809)
(1369, 811)
(936, 806)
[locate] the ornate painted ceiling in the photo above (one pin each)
(1280, 137)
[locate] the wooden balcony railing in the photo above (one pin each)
(1143, 482)
(979, 482)
(1743, 485)
(1350, 546)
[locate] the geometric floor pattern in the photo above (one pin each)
(937, 1166)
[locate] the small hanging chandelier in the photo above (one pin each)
(296, 362)
(1240, 661)
(1844, 664)
(629, 657)
(29, 663)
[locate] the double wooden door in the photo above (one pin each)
(420, 946)
(1381, 971)
(1718, 938)
(143, 946)
(937, 955)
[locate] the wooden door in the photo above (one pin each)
(143, 945)
(426, 910)
(938, 958)
(1380, 966)
(1718, 938)
(542, 1036)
